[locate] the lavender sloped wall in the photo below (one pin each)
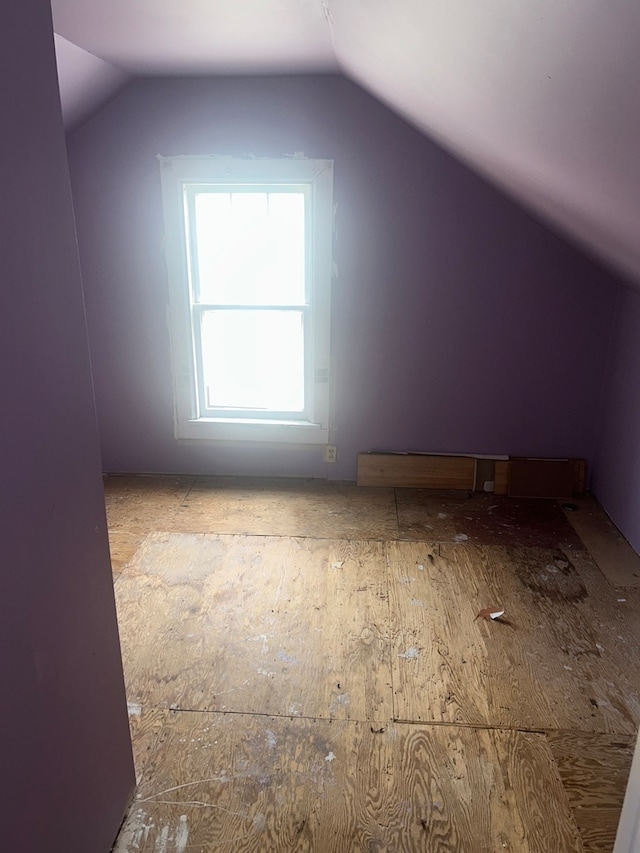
(67, 770)
(616, 479)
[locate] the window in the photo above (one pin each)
(248, 246)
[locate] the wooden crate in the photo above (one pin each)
(543, 478)
(415, 470)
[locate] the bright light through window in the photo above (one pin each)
(248, 247)
(251, 247)
(248, 255)
(253, 360)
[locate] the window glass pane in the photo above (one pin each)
(251, 247)
(253, 360)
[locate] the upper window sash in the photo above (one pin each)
(198, 220)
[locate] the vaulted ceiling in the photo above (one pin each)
(541, 97)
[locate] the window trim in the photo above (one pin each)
(178, 171)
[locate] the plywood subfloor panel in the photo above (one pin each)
(258, 625)
(555, 663)
(123, 544)
(241, 783)
(594, 770)
(484, 519)
(617, 560)
(614, 614)
(145, 725)
(137, 505)
(288, 508)
(144, 503)
(197, 632)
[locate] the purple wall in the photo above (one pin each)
(616, 479)
(67, 771)
(459, 322)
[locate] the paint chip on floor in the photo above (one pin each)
(134, 709)
(259, 823)
(341, 700)
(272, 740)
(182, 835)
(410, 654)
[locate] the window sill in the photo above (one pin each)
(232, 429)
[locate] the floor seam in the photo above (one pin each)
(394, 721)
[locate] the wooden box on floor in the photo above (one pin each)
(416, 470)
(546, 478)
(518, 477)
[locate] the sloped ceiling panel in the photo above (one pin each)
(542, 97)
(157, 37)
(85, 81)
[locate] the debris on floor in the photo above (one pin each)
(489, 613)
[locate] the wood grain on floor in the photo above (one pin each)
(144, 503)
(251, 783)
(594, 770)
(483, 519)
(548, 664)
(123, 544)
(257, 625)
(332, 690)
(147, 725)
(617, 560)
(138, 505)
(288, 508)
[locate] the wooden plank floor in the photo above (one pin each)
(328, 688)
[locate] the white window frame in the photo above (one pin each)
(176, 174)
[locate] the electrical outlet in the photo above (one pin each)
(330, 453)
